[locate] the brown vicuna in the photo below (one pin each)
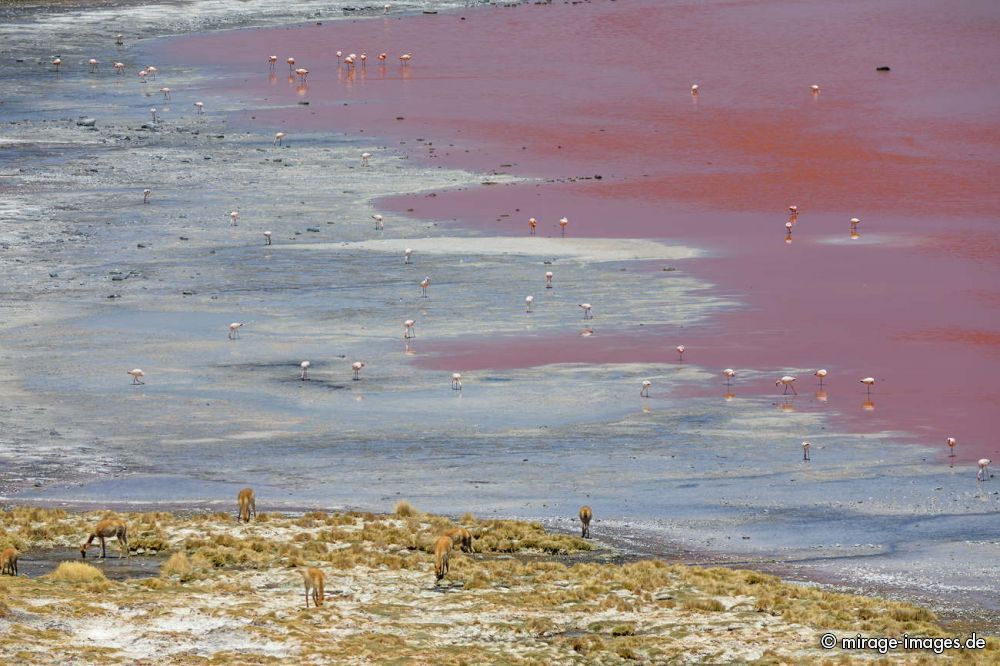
(586, 515)
(107, 528)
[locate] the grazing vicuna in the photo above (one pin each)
(107, 528)
(461, 537)
(442, 549)
(8, 562)
(586, 515)
(312, 579)
(248, 504)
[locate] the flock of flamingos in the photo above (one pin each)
(313, 578)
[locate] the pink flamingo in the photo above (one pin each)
(267, 238)
(278, 137)
(868, 382)
(680, 352)
(644, 391)
(456, 381)
(426, 282)
(586, 311)
(951, 441)
(805, 450)
(304, 375)
(728, 373)
(787, 381)
(548, 279)
(408, 331)
(528, 300)
(137, 374)
(984, 469)
(145, 195)
(234, 330)
(356, 367)
(821, 373)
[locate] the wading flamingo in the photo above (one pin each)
(364, 59)
(278, 136)
(137, 374)
(93, 62)
(356, 367)
(339, 54)
(119, 68)
(379, 226)
(562, 225)
(291, 64)
(528, 300)
(694, 89)
(680, 352)
(382, 57)
(984, 469)
(407, 253)
(586, 311)
(267, 238)
(305, 370)
(456, 381)
(365, 157)
(271, 62)
(152, 71)
(814, 88)
(548, 279)
(788, 382)
(234, 330)
(868, 382)
(166, 93)
(234, 216)
(119, 40)
(142, 75)
(152, 113)
(56, 62)
(728, 373)
(644, 391)
(854, 224)
(302, 73)
(199, 107)
(951, 442)
(426, 282)
(805, 450)
(145, 195)
(408, 331)
(821, 373)
(405, 59)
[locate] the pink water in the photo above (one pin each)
(568, 91)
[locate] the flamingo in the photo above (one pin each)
(278, 136)
(680, 352)
(305, 370)
(272, 60)
(267, 238)
(644, 391)
(385, 9)
(291, 64)
(408, 331)
(793, 210)
(349, 61)
(339, 53)
(93, 62)
(562, 225)
(56, 62)
(426, 282)
(407, 253)
(234, 330)
(728, 373)
(456, 381)
(586, 311)
(868, 382)
(302, 73)
(234, 215)
(382, 57)
(199, 107)
(356, 367)
(821, 373)
(152, 113)
(787, 381)
(364, 59)
(166, 93)
(119, 68)
(548, 279)
(378, 222)
(805, 450)
(694, 89)
(814, 88)
(365, 157)
(405, 59)
(145, 195)
(152, 71)
(532, 223)
(137, 375)
(854, 224)
(984, 469)
(142, 75)
(528, 300)
(951, 441)
(119, 40)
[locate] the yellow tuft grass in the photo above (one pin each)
(178, 565)
(405, 510)
(77, 572)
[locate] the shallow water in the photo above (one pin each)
(685, 468)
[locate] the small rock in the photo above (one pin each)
(883, 68)
(87, 122)
(303, 102)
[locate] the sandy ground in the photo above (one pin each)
(95, 283)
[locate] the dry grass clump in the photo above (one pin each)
(77, 572)
(178, 565)
(510, 536)
(405, 510)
